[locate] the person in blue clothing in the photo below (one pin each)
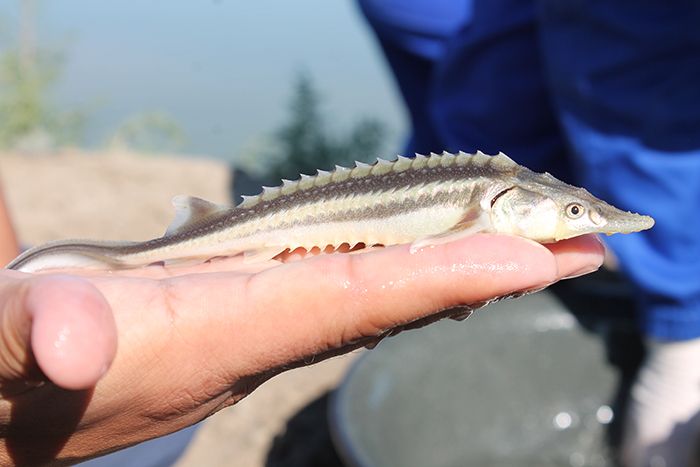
(602, 94)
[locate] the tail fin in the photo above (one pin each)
(68, 254)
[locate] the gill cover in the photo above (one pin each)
(526, 213)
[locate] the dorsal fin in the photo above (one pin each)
(190, 210)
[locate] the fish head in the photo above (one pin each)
(557, 211)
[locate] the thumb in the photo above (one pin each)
(54, 328)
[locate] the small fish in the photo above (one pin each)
(424, 201)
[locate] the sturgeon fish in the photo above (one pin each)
(423, 201)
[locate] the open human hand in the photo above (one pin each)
(193, 340)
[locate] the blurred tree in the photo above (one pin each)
(26, 77)
(303, 144)
(149, 133)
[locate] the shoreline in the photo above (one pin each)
(103, 195)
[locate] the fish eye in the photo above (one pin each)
(575, 210)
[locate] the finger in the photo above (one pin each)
(234, 264)
(578, 256)
(73, 333)
(17, 364)
(308, 307)
(238, 263)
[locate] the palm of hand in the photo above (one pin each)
(195, 339)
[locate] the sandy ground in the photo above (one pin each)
(116, 196)
(124, 196)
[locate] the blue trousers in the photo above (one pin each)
(604, 94)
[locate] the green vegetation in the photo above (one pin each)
(149, 133)
(29, 121)
(25, 110)
(304, 144)
(27, 75)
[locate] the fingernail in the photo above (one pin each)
(582, 272)
(538, 288)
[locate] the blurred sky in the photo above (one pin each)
(222, 69)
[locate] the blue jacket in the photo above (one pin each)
(603, 94)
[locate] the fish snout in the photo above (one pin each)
(627, 222)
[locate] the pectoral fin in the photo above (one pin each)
(475, 221)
